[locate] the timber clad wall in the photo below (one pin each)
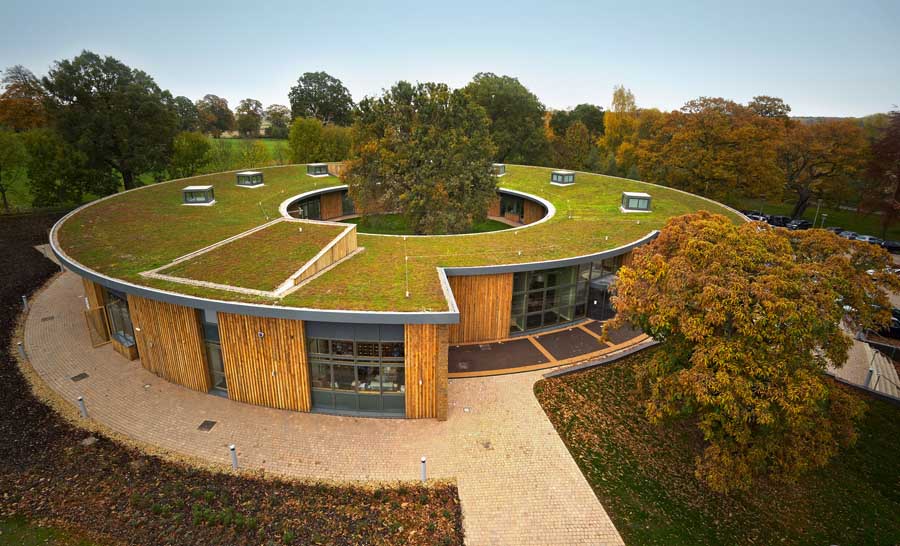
(532, 212)
(337, 169)
(331, 205)
(494, 208)
(95, 293)
(484, 303)
(426, 362)
(271, 370)
(343, 246)
(170, 342)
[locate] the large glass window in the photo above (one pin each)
(307, 209)
(210, 323)
(555, 296)
(512, 207)
(119, 318)
(347, 205)
(357, 375)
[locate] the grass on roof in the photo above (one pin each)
(148, 228)
(261, 260)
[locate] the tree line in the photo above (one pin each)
(108, 124)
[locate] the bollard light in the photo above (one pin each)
(424, 479)
(25, 303)
(234, 464)
(21, 350)
(82, 407)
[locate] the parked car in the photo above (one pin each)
(870, 239)
(892, 331)
(891, 246)
(752, 213)
(757, 217)
(794, 225)
(834, 229)
(779, 221)
(852, 235)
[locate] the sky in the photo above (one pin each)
(824, 58)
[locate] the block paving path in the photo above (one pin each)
(517, 482)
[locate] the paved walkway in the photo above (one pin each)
(517, 482)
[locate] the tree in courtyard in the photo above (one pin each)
(215, 115)
(279, 118)
(425, 151)
(749, 317)
(13, 162)
(321, 96)
(60, 174)
(116, 115)
(187, 114)
(819, 159)
(249, 117)
(883, 173)
(192, 152)
(22, 100)
(516, 118)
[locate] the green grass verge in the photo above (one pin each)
(148, 228)
(282, 249)
(18, 531)
(643, 474)
(397, 224)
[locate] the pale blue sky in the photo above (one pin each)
(824, 58)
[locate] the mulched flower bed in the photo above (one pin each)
(117, 494)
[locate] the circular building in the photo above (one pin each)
(272, 296)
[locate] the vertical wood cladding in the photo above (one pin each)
(331, 205)
(532, 212)
(494, 207)
(337, 169)
(426, 370)
(95, 293)
(484, 303)
(343, 246)
(268, 370)
(170, 342)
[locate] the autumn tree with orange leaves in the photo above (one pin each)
(749, 317)
(22, 100)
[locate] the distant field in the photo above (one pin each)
(271, 143)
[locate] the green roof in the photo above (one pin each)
(146, 229)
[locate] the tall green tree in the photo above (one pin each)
(279, 118)
(13, 163)
(115, 114)
(187, 113)
(883, 174)
(426, 151)
(192, 153)
(215, 115)
(575, 150)
(311, 142)
(749, 317)
(588, 114)
(249, 117)
(516, 118)
(321, 96)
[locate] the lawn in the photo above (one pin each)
(867, 224)
(235, 143)
(643, 474)
(18, 531)
(116, 493)
(397, 224)
(146, 229)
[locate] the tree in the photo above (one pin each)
(117, 116)
(192, 152)
(222, 157)
(819, 159)
(321, 96)
(187, 114)
(769, 107)
(22, 100)
(13, 161)
(575, 150)
(279, 118)
(60, 174)
(619, 126)
(312, 142)
(249, 117)
(714, 147)
(749, 317)
(516, 118)
(425, 151)
(215, 115)
(588, 114)
(254, 154)
(884, 173)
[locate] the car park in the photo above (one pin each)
(794, 225)
(891, 246)
(757, 217)
(779, 221)
(852, 235)
(834, 229)
(870, 239)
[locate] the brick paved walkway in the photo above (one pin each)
(517, 482)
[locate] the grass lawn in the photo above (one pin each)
(148, 228)
(397, 224)
(867, 224)
(18, 531)
(256, 260)
(643, 474)
(235, 143)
